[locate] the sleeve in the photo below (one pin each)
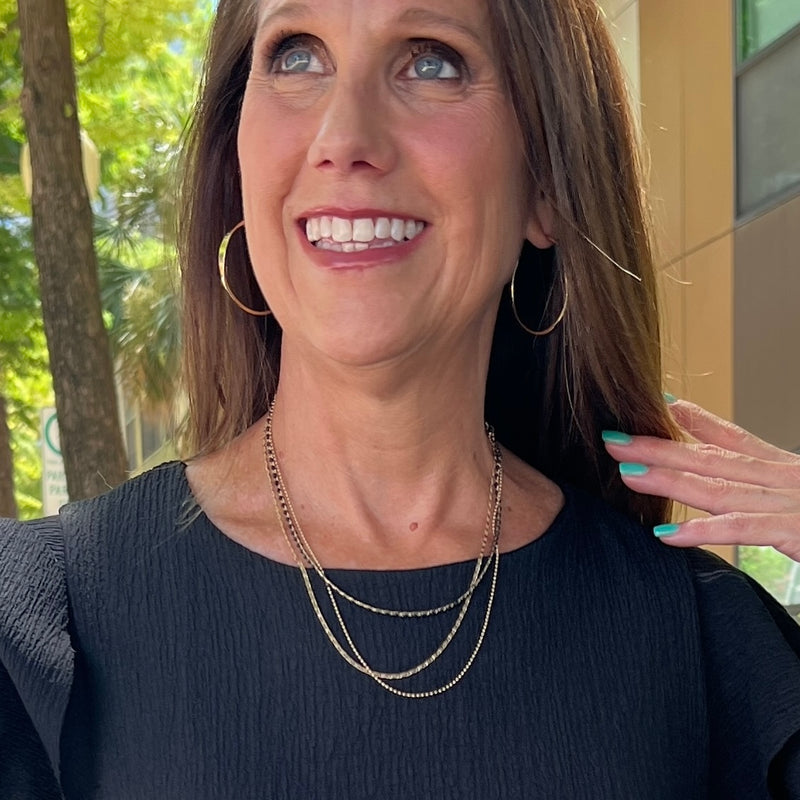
(36, 657)
(752, 663)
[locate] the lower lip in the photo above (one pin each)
(361, 259)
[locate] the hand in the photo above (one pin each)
(750, 488)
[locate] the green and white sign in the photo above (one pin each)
(54, 478)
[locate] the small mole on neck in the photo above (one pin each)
(413, 526)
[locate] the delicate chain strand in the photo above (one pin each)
(280, 507)
(288, 523)
(361, 667)
(381, 677)
(481, 566)
(442, 646)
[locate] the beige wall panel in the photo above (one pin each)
(672, 297)
(661, 47)
(708, 115)
(614, 7)
(767, 335)
(709, 327)
(625, 30)
(726, 551)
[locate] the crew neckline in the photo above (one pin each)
(550, 531)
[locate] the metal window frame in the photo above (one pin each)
(741, 68)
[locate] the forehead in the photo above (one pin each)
(360, 16)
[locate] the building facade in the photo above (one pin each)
(718, 88)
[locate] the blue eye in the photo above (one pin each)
(429, 64)
(299, 61)
(296, 54)
(433, 67)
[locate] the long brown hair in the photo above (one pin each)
(548, 397)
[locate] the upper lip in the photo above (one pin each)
(359, 213)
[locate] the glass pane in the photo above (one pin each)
(768, 141)
(777, 573)
(761, 22)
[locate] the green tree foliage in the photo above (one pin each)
(24, 379)
(136, 67)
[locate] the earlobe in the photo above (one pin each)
(539, 231)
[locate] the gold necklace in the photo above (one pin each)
(289, 520)
(290, 526)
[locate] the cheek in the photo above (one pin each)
(269, 154)
(476, 153)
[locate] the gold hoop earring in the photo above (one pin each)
(221, 258)
(550, 328)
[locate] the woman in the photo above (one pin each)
(315, 605)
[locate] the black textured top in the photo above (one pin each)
(144, 656)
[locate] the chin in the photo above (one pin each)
(364, 347)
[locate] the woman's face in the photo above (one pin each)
(383, 179)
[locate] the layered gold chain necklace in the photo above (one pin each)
(304, 557)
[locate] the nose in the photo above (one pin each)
(354, 131)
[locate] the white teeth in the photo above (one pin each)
(342, 229)
(364, 230)
(346, 235)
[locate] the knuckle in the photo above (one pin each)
(792, 474)
(734, 435)
(703, 453)
(718, 489)
(738, 523)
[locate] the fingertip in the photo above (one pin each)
(665, 531)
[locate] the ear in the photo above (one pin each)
(539, 230)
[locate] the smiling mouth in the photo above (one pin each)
(355, 235)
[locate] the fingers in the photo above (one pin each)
(750, 487)
(711, 429)
(707, 460)
(708, 493)
(769, 530)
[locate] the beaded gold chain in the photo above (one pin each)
(301, 551)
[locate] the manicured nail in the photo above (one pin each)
(665, 530)
(670, 398)
(616, 437)
(629, 470)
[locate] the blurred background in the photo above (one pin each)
(717, 86)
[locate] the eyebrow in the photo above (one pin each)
(295, 10)
(426, 16)
(288, 11)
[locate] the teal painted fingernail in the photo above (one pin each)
(629, 470)
(670, 398)
(665, 530)
(616, 437)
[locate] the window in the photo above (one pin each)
(767, 102)
(761, 22)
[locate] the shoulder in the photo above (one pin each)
(36, 656)
(32, 586)
(752, 662)
(160, 493)
(748, 646)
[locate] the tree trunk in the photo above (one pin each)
(80, 359)
(8, 505)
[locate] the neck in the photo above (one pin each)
(390, 457)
